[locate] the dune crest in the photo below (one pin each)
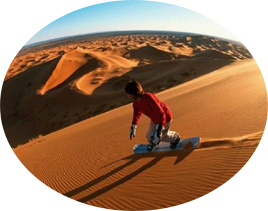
(112, 66)
(66, 66)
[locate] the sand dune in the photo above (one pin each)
(66, 66)
(112, 66)
(92, 161)
(108, 66)
(150, 54)
(67, 118)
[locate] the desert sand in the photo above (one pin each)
(214, 89)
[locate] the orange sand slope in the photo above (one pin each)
(93, 162)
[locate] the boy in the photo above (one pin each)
(159, 113)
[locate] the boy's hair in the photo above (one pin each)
(134, 88)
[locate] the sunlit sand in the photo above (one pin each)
(74, 100)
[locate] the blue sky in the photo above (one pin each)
(28, 22)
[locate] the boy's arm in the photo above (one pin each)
(136, 115)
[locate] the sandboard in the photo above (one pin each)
(165, 146)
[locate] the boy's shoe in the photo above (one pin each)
(151, 147)
(175, 144)
(153, 144)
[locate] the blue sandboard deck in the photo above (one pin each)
(165, 146)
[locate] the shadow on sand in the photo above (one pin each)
(157, 156)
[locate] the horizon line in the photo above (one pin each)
(118, 31)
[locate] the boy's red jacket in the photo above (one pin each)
(151, 106)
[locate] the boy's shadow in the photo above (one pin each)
(181, 155)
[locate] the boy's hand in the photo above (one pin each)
(132, 131)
